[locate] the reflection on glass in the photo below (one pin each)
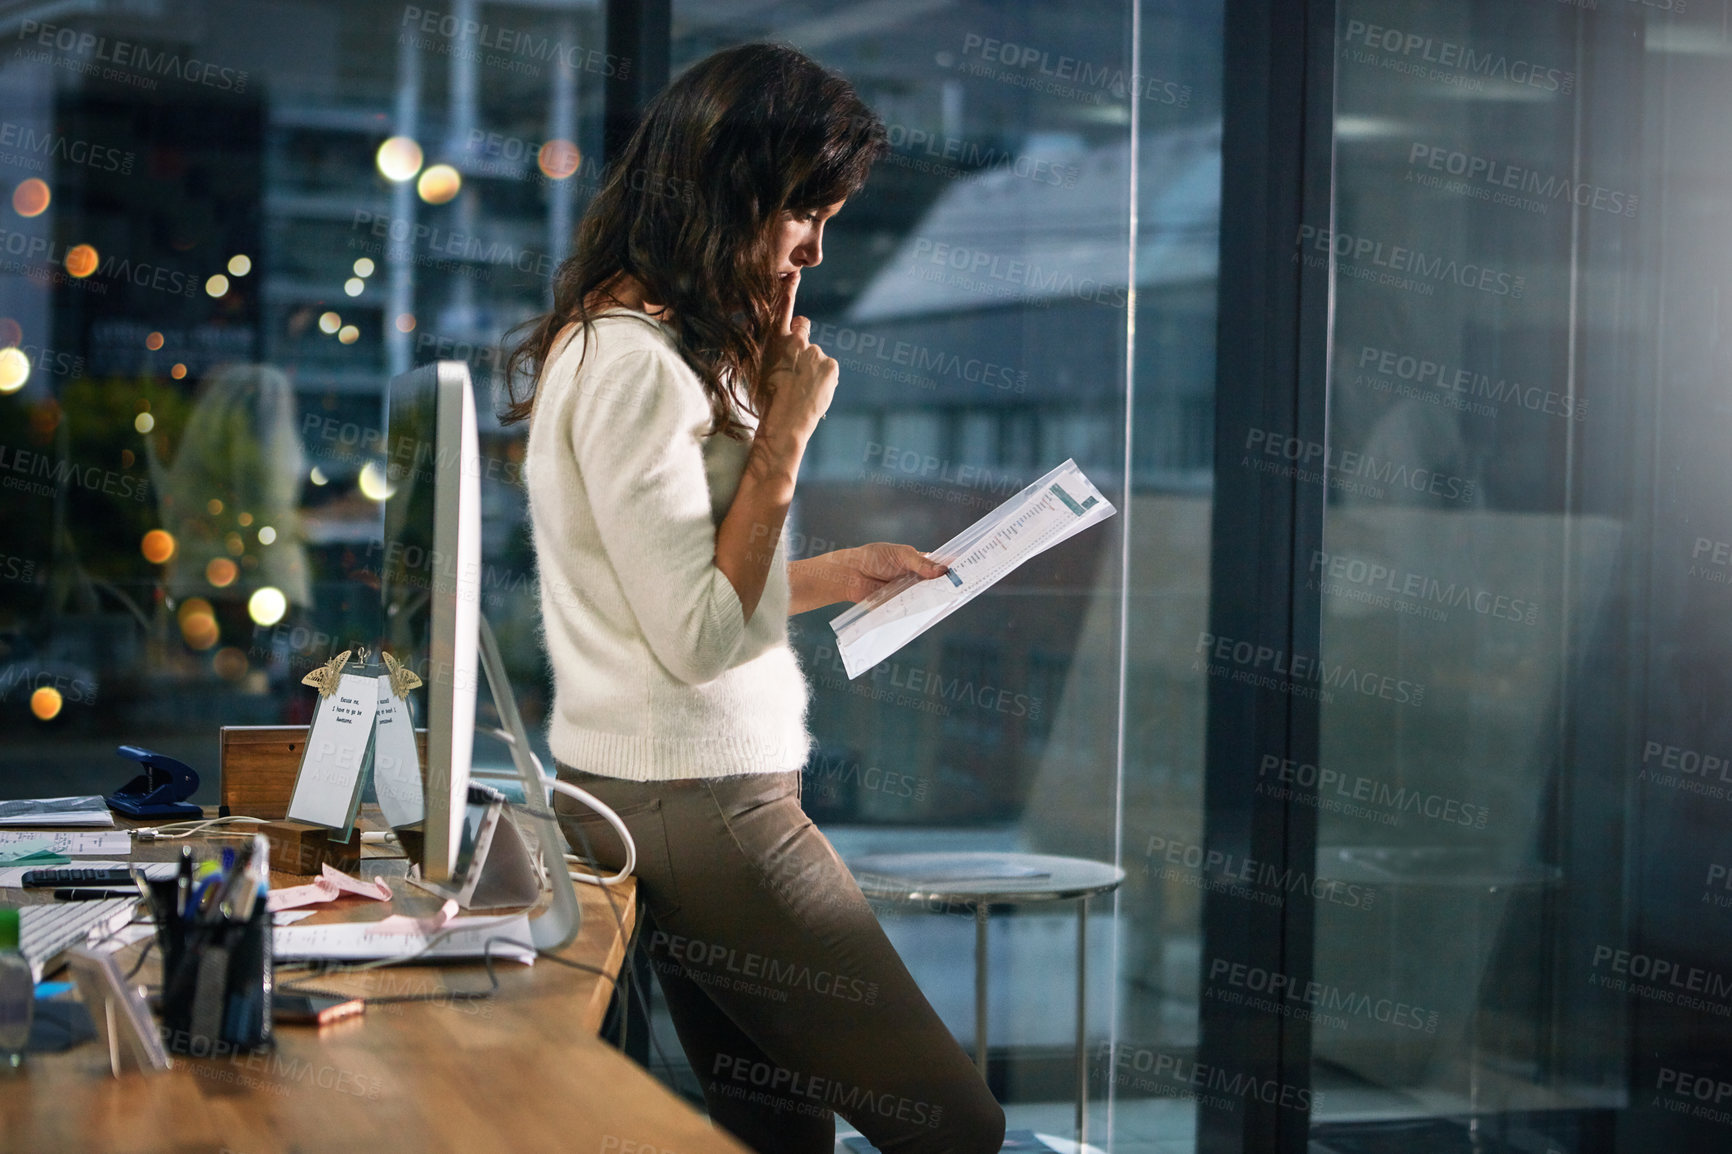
(1508, 602)
(237, 464)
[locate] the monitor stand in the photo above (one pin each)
(502, 870)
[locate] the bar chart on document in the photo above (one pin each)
(1052, 509)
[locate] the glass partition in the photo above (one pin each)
(978, 296)
(1522, 604)
(229, 225)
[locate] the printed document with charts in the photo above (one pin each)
(1059, 505)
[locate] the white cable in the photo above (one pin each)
(587, 799)
(178, 829)
(612, 819)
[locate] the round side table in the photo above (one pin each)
(979, 881)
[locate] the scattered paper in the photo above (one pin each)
(39, 857)
(466, 937)
(328, 887)
(123, 937)
(432, 923)
(290, 917)
(1054, 508)
(65, 842)
(89, 809)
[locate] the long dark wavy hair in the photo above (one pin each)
(689, 210)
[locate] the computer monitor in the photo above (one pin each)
(430, 590)
(430, 585)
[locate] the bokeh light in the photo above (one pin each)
(329, 322)
(266, 535)
(267, 605)
(365, 266)
(317, 476)
(198, 624)
(144, 422)
(31, 197)
(373, 484)
(230, 663)
(399, 158)
(354, 286)
(240, 264)
(81, 260)
(214, 506)
(46, 703)
(14, 370)
(558, 159)
(348, 334)
(157, 546)
(153, 342)
(217, 286)
(234, 543)
(221, 572)
(439, 184)
(405, 322)
(178, 371)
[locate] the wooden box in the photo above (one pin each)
(258, 763)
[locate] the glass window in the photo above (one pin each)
(1521, 606)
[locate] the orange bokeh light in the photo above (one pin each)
(31, 197)
(81, 260)
(157, 546)
(558, 159)
(153, 342)
(46, 702)
(198, 623)
(221, 572)
(230, 663)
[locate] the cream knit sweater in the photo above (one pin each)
(656, 675)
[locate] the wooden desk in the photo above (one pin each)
(522, 1071)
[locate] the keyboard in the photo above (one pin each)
(48, 930)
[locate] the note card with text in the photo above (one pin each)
(327, 792)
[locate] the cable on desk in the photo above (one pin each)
(179, 829)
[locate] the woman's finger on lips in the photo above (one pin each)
(790, 286)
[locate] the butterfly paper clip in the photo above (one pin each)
(324, 678)
(403, 679)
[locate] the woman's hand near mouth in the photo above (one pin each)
(799, 380)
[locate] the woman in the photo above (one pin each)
(675, 392)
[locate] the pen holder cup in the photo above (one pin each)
(216, 980)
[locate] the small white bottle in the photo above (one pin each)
(17, 992)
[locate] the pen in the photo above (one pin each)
(183, 883)
(92, 895)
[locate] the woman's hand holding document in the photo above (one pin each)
(1059, 505)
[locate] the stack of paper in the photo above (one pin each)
(56, 811)
(1058, 506)
(466, 937)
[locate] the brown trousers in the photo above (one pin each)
(789, 1001)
